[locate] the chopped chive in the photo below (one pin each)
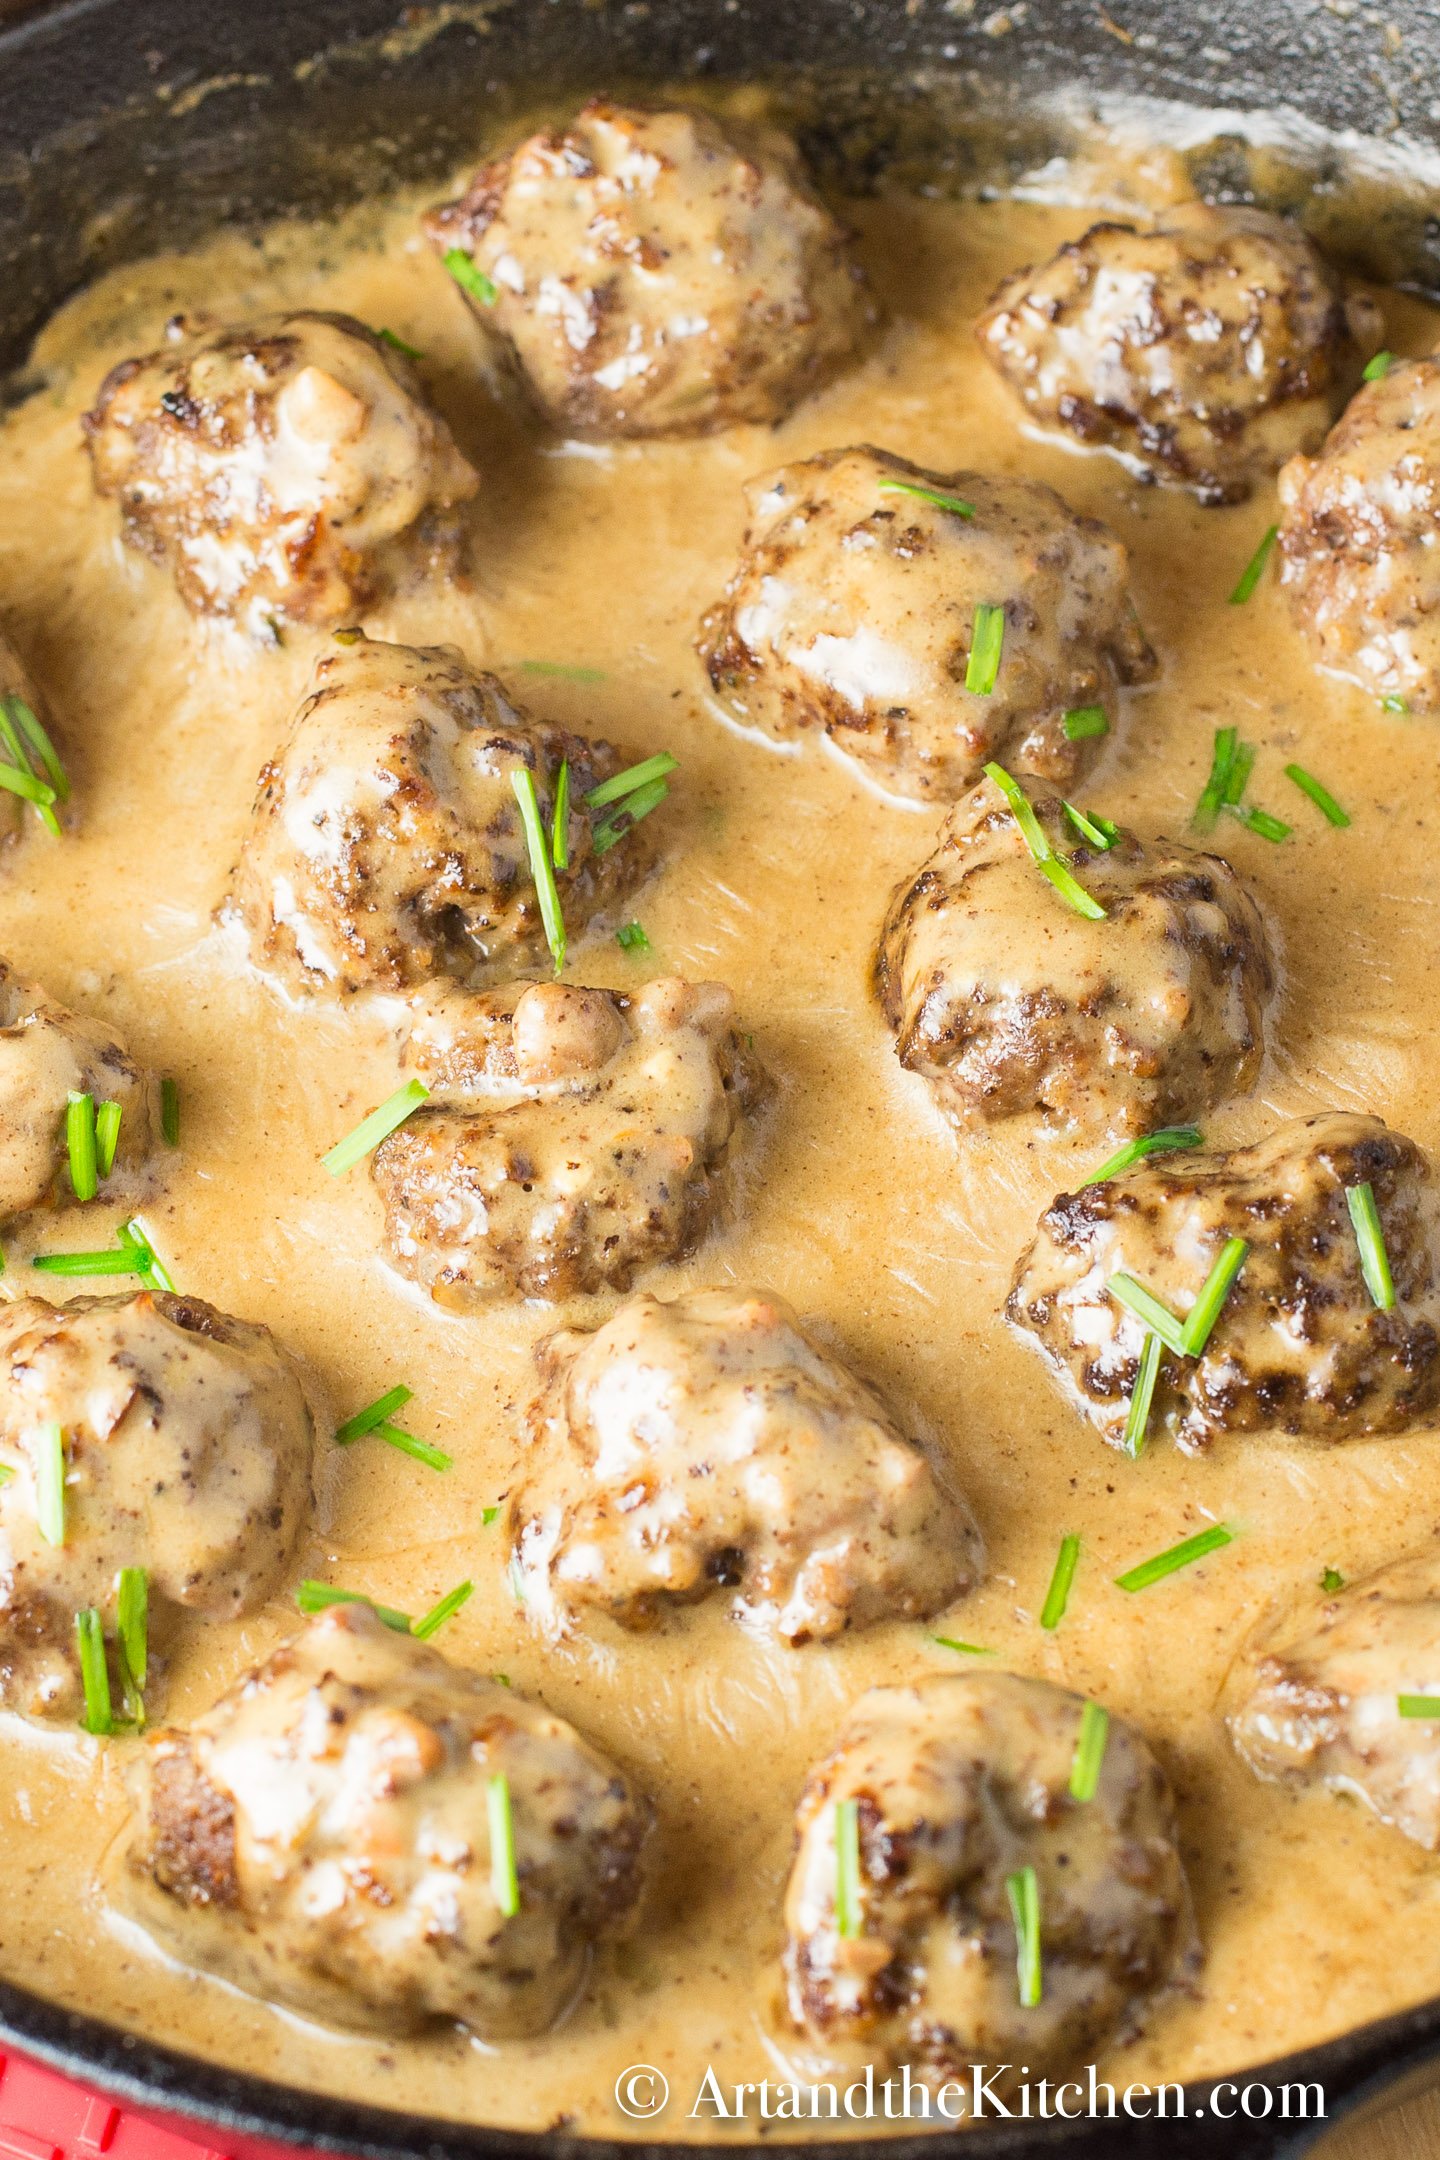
(1374, 1260)
(1331, 1581)
(430, 1623)
(315, 1597)
(1377, 369)
(636, 806)
(560, 819)
(121, 1260)
(470, 277)
(1142, 1396)
(1254, 570)
(489, 1515)
(19, 777)
(369, 1133)
(1100, 832)
(1207, 809)
(965, 1649)
(351, 636)
(1203, 1314)
(502, 1679)
(423, 1451)
(132, 1628)
(631, 780)
(1089, 1752)
(99, 1717)
(1023, 1890)
(375, 1413)
(630, 937)
(398, 344)
(1418, 1705)
(1323, 800)
(1084, 722)
(1022, 811)
(107, 1135)
(80, 1142)
(1174, 1557)
(6, 1473)
(848, 1918)
(1168, 1137)
(1259, 821)
(515, 1579)
(987, 640)
(135, 1237)
(1395, 703)
(1238, 777)
(541, 867)
(21, 716)
(25, 784)
(170, 1112)
(1057, 1597)
(941, 501)
(504, 1881)
(50, 1484)
(563, 670)
(1071, 891)
(1148, 1309)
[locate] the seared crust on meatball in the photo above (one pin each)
(17, 688)
(572, 1136)
(1205, 350)
(1299, 1347)
(1359, 527)
(1317, 1697)
(323, 1837)
(386, 843)
(959, 1782)
(48, 1054)
(711, 1444)
(649, 274)
(1006, 1000)
(187, 1446)
(274, 465)
(853, 610)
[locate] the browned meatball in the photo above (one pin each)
(325, 1837)
(646, 273)
(572, 1137)
(711, 1444)
(186, 1442)
(386, 843)
(959, 1783)
(853, 609)
(1300, 1346)
(1203, 351)
(1006, 1000)
(1319, 1696)
(274, 466)
(48, 1054)
(1358, 531)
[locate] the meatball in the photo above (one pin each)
(572, 1136)
(48, 1054)
(386, 842)
(18, 698)
(1300, 1346)
(1006, 1000)
(958, 1783)
(1317, 1700)
(713, 1444)
(325, 1836)
(274, 466)
(855, 604)
(187, 1444)
(1204, 351)
(643, 273)
(1357, 539)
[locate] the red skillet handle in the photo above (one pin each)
(45, 2117)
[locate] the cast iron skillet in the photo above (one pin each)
(130, 124)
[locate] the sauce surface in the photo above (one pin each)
(856, 1203)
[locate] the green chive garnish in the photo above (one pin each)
(7, 1472)
(1137, 1417)
(639, 805)
(1175, 1557)
(19, 777)
(135, 1237)
(847, 1868)
(560, 819)
(1100, 832)
(132, 1627)
(40, 745)
(541, 867)
(423, 1451)
(1071, 891)
(398, 344)
(470, 277)
(99, 1717)
(631, 780)
(1203, 1314)
(1331, 1581)
(1207, 809)
(489, 1515)
(1162, 1142)
(504, 1881)
(965, 1649)
(1254, 570)
(170, 1112)
(375, 1413)
(121, 1260)
(1148, 1309)
(1259, 821)
(1374, 1260)
(25, 784)
(314, 1597)
(447, 1608)
(630, 937)
(1323, 800)
(107, 1136)
(941, 501)
(80, 1141)
(1377, 369)
(1418, 1705)
(987, 640)
(369, 1133)
(1057, 1597)
(563, 670)
(1395, 703)
(1084, 722)
(50, 1484)
(1089, 1752)
(1023, 1890)
(1238, 777)
(1068, 886)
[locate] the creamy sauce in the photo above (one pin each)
(858, 1205)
